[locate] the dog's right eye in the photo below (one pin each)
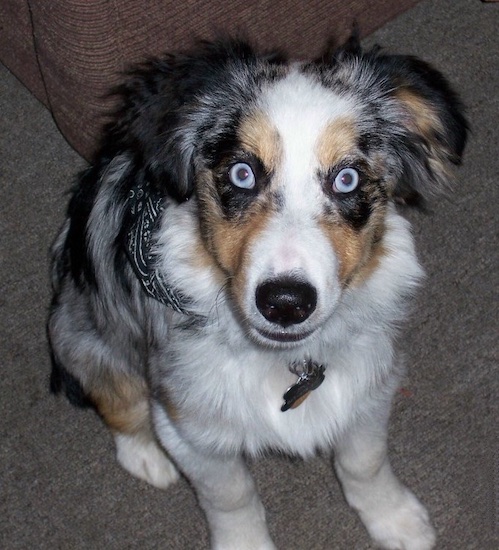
(346, 181)
(241, 175)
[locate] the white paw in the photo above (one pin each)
(268, 545)
(403, 527)
(251, 540)
(145, 459)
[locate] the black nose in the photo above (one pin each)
(286, 301)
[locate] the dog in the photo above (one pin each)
(234, 269)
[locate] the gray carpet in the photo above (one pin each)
(60, 487)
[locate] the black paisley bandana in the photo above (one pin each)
(145, 208)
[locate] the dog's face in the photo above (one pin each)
(293, 167)
(293, 210)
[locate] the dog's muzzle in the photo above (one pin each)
(286, 301)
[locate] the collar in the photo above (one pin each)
(145, 206)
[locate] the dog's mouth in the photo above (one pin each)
(283, 336)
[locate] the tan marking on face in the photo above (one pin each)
(232, 243)
(337, 142)
(227, 242)
(257, 135)
(232, 239)
(358, 252)
(122, 401)
(349, 247)
(201, 259)
(372, 262)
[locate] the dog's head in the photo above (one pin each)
(293, 165)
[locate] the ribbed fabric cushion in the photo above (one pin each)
(84, 45)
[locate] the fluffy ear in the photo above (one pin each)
(431, 127)
(149, 123)
(412, 112)
(168, 103)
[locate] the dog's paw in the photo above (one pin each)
(269, 545)
(145, 460)
(403, 527)
(255, 541)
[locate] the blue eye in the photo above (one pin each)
(346, 180)
(241, 175)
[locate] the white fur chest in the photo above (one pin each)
(230, 392)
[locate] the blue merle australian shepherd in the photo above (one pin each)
(233, 270)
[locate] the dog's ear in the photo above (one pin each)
(149, 123)
(430, 130)
(168, 103)
(413, 111)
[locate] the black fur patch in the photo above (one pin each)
(63, 381)
(75, 254)
(234, 200)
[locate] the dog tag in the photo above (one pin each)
(311, 376)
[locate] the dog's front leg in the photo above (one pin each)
(225, 489)
(228, 495)
(392, 514)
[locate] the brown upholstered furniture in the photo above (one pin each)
(70, 52)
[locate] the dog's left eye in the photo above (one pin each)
(241, 175)
(346, 180)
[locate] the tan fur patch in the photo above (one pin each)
(231, 239)
(422, 118)
(258, 136)
(359, 252)
(349, 246)
(227, 240)
(202, 259)
(337, 142)
(371, 264)
(122, 401)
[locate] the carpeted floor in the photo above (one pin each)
(60, 487)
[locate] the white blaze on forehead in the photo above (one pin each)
(308, 119)
(301, 109)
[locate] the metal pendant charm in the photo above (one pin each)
(310, 377)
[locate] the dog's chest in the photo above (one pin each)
(233, 400)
